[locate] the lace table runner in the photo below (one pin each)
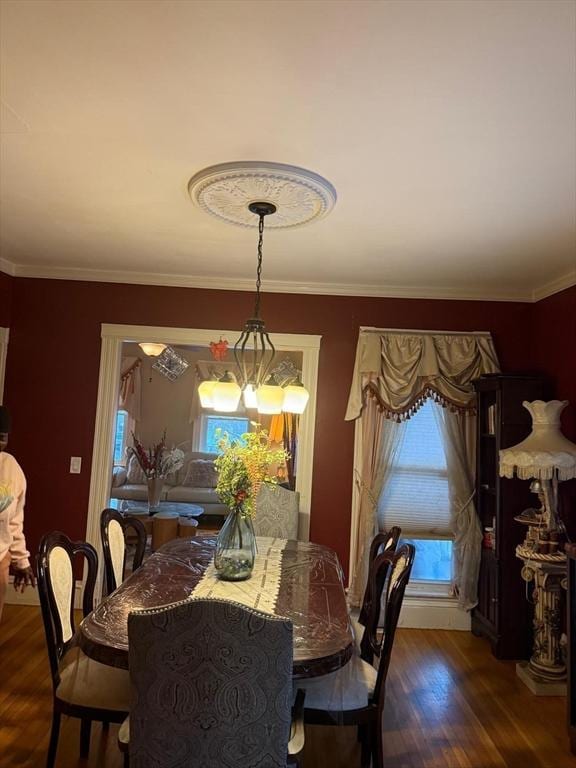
(261, 590)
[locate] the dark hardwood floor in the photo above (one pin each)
(450, 705)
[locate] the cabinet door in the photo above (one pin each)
(487, 610)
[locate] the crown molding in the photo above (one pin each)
(554, 286)
(271, 286)
(8, 267)
(285, 286)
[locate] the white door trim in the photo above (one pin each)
(4, 336)
(108, 385)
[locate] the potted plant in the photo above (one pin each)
(242, 465)
(157, 462)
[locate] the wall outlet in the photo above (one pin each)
(75, 465)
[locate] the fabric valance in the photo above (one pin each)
(401, 369)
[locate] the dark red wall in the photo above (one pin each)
(53, 362)
(554, 349)
(554, 353)
(5, 299)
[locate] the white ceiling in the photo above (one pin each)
(447, 128)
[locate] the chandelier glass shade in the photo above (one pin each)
(206, 393)
(270, 397)
(296, 398)
(226, 394)
(249, 397)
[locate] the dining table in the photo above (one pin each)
(298, 580)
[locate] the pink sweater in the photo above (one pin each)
(12, 518)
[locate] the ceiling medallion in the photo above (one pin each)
(226, 190)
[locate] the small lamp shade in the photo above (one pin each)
(545, 453)
(226, 394)
(249, 395)
(206, 393)
(270, 397)
(296, 398)
(151, 348)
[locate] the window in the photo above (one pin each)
(121, 434)
(416, 497)
(234, 425)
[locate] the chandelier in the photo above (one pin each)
(235, 193)
(254, 354)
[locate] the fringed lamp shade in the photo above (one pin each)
(545, 454)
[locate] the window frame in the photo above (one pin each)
(425, 587)
(205, 416)
(128, 429)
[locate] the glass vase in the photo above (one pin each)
(235, 547)
(155, 486)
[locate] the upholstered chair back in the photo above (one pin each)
(113, 529)
(277, 512)
(386, 541)
(211, 686)
(56, 587)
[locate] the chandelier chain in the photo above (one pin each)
(259, 267)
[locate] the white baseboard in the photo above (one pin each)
(433, 613)
(30, 595)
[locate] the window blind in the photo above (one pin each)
(416, 496)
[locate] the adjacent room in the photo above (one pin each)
(288, 383)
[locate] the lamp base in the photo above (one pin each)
(539, 686)
(545, 673)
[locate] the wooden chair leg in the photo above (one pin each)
(378, 743)
(53, 746)
(85, 728)
(367, 744)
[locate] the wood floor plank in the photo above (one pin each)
(449, 704)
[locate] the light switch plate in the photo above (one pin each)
(75, 465)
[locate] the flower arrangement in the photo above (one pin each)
(243, 466)
(6, 497)
(157, 461)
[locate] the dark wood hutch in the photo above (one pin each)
(503, 613)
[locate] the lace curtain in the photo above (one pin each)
(381, 440)
(394, 373)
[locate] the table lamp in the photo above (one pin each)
(545, 457)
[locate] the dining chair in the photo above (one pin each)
(81, 687)
(277, 511)
(211, 685)
(355, 694)
(385, 541)
(113, 528)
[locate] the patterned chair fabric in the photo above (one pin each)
(277, 512)
(211, 686)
